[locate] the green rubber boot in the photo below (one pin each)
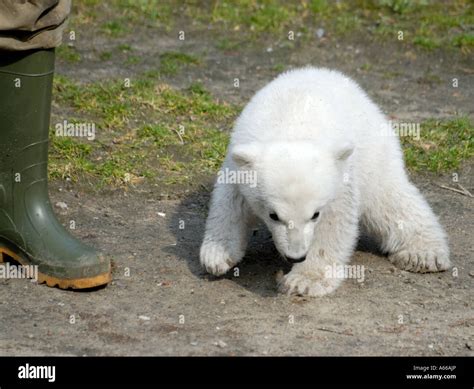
(29, 230)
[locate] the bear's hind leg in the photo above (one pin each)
(399, 216)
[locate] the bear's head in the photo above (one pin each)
(293, 182)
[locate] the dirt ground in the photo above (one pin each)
(167, 305)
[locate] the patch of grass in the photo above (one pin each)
(464, 41)
(390, 74)
(124, 47)
(171, 62)
(428, 24)
(427, 43)
(430, 78)
(227, 44)
(69, 157)
(153, 13)
(396, 6)
(346, 22)
(133, 60)
(268, 16)
(158, 12)
(318, 6)
(148, 132)
(442, 146)
(105, 55)
(278, 67)
(115, 28)
(68, 54)
(161, 135)
(153, 74)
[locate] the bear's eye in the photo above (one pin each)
(274, 216)
(315, 216)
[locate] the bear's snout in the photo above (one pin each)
(295, 260)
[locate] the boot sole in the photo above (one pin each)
(61, 283)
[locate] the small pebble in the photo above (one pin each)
(61, 205)
(220, 344)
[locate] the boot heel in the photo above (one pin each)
(6, 255)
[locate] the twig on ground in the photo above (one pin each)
(465, 190)
(462, 190)
(180, 137)
(334, 332)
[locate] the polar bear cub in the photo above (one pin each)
(310, 156)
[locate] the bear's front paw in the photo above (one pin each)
(420, 262)
(216, 259)
(307, 283)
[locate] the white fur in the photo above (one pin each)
(315, 141)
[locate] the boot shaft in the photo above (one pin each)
(25, 102)
(25, 105)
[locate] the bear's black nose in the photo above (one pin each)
(295, 260)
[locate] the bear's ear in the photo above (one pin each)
(343, 152)
(245, 155)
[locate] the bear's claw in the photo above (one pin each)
(304, 283)
(420, 262)
(215, 259)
